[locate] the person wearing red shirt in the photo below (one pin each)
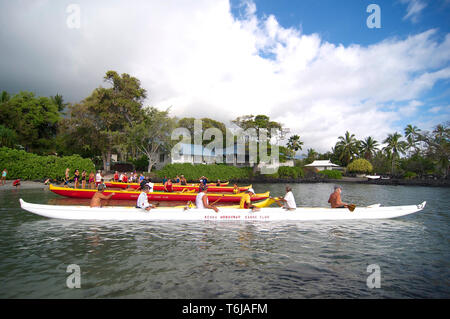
(168, 186)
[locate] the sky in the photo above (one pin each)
(313, 65)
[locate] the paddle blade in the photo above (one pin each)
(351, 207)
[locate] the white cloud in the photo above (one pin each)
(414, 9)
(196, 57)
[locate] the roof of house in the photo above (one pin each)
(322, 163)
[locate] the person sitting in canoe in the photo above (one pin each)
(125, 178)
(288, 200)
(96, 200)
(201, 200)
(142, 201)
(335, 198)
(246, 201)
(177, 180)
(168, 186)
(236, 189)
(183, 180)
(218, 182)
(116, 176)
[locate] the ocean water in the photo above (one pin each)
(232, 259)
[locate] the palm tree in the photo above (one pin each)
(294, 143)
(368, 147)
(311, 156)
(394, 147)
(347, 147)
(411, 133)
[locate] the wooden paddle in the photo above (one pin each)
(218, 199)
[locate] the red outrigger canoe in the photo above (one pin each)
(153, 196)
(177, 187)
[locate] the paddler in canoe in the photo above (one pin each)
(246, 201)
(336, 202)
(201, 200)
(142, 201)
(96, 200)
(168, 186)
(288, 200)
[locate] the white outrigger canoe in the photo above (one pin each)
(224, 214)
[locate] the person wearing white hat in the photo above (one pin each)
(246, 200)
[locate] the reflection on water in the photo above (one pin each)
(230, 259)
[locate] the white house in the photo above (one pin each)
(323, 165)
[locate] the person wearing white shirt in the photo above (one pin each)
(142, 201)
(150, 184)
(201, 200)
(288, 200)
(98, 178)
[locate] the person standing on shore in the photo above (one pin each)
(335, 198)
(91, 180)
(76, 178)
(96, 200)
(83, 179)
(66, 177)
(98, 178)
(4, 173)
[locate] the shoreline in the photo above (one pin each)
(344, 180)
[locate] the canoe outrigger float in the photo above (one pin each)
(177, 187)
(153, 196)
(224, 214)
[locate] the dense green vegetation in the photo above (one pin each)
(360, 165)
(332, 174)
(29, 166)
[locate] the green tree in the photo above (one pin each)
(394, 148)
(347, 148)
(8, 137)
(107, 112)
(411, 132)
(438, 143)
(368, 147)
(360, 165)
(151, 134)
(34, 119)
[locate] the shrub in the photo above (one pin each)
(360, 166)
(409, 175)
(292, 172)
(332, 174)
(29, 166)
